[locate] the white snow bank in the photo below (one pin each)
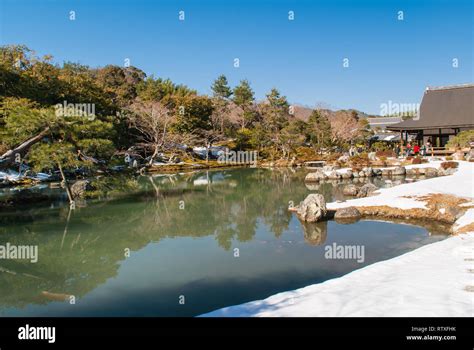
(430, 281)
(460, 184)
(466, 219)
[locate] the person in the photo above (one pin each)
(397, 150)
(429, 146)
(408, 149)
(423, 150)
(416, 149)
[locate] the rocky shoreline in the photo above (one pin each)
(439, 207)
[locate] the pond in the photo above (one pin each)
(182, 245)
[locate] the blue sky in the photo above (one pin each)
(388, 59)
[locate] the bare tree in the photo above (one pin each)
(153, 122)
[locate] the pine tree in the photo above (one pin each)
(319, 130)
(244, 98)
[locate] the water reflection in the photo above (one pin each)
(315, 233)
(181, 216)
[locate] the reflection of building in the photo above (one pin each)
(444, 112)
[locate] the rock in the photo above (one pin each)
(410, 172)
(333, 175)
(312, 186)
(368, 171)
(449, 171)
(454, 212)
(346, 215)
(79, 188)
(312, 209)
(458, 155)
(362, 173)
(328, 168)
(431, 172)
(386, 171)
(346, 175)
(366, 190)
(377, 172)
(420, 171)
(344, 158)
(314, 177)
(470, 155)
(350, 190)
(355, 174)
(399, 171)
(372, 156)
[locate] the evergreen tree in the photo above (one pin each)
(221, 88)
(221, 95)
(244, 98)
(319, 130)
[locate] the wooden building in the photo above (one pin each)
(444, 112)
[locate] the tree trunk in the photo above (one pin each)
(66, 186)
(8, 158)
(155, 153)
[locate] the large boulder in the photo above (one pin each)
(399, 171)
(328, 168)
(366, 190)
(79, 188)
(368, 171)
(470, 155)
(333, 175)
(431, 172)
(448, 171)
(411, 172)
(350, 190)
(315, 177)
(377, 172)
(312, 209)
(458, 155)
(346, 174)
(347, 215)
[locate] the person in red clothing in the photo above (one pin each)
(416, 149)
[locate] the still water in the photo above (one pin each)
(181, 245)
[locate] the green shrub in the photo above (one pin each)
(462, 139)
(380, 146)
